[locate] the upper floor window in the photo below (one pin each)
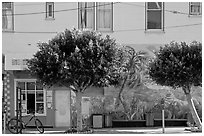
(49, 10)
(96, 16)
(195, 8)
(154, 15)
(104, 16)
(87, 15)
(7, 16)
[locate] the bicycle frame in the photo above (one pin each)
(25, 124)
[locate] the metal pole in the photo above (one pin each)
(70, 104)
(163, 121)
(20, 108)
(17, 109)
(4, 122)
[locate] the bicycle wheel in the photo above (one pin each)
(39, 125)
(14, 126)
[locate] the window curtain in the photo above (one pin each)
(195, 7)
(4, 19)
(86, 15)
(104, 15)
(7, 17)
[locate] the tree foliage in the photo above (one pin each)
(131, 69)
(178, 65)
(131, 66)
(75, 58)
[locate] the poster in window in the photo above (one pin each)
(49, 99)
(40, 108)
(49, 93)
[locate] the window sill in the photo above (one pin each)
(153, 31)
(105, 31)
(38, 115)
(8, 31)
(49, 19)
(195, 15)
(98, 30)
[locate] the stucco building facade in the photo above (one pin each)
(142, 25)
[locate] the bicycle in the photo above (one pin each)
(15, 126)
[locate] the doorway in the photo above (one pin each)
(62, 108)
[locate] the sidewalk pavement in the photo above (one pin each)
(136, 130)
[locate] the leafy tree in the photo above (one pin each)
(75, 59)
(179, 65)
(131, 69)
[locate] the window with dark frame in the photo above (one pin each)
(7, 16)
(154, 16)
(49, 10)
(96, 16)
(195, 8)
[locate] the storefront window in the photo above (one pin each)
(32, 97)
(30, 85)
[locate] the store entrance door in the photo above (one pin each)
(62, 108)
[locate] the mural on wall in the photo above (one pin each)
(6, 89)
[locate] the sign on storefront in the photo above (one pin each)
(16, 61)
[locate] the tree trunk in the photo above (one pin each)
(192, 107)
(193, 110)
(121, 99)
(132, 116)
(125, 107)
(78, 107)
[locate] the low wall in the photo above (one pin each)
(142, 123)
(171, 122)
(131, 123)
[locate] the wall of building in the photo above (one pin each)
(128, 29)
(23, 39)
(128, 25)
(48, 120)
(131, 17)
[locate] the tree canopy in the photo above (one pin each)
(178, 65)
(75, 58)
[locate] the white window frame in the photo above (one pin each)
(47, 10)
(162, 18)
(194, 13)
(44, 97)
(79, 15)
(12, 24)
(95, 26)
(104, 29)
